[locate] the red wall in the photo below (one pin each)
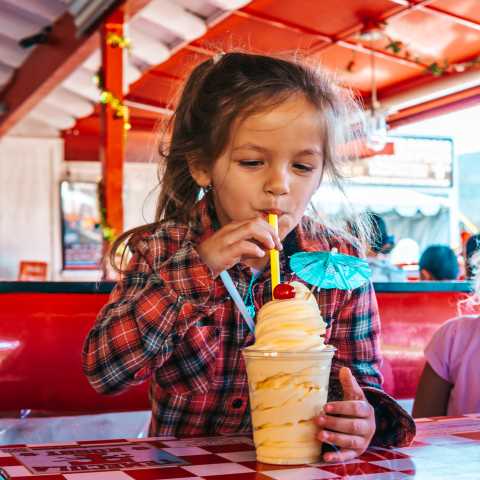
(409, 320)
(41, 336)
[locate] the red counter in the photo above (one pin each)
(43, 325)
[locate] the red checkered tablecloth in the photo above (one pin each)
(447, 448)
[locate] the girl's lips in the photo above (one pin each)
(273, 211)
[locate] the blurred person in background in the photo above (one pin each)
(438, 262)
(471, 247)
(450, 384)
(378, 255)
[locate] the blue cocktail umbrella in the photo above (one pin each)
(331, 269)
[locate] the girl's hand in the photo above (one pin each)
(238, 241)
(349, 424)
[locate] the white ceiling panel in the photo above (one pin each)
(153, 30)
(147, 48)
(92, 64)
(53, 116)
(174, 18)
(229, 4)
(198, 7)
(17, 24)
(11, 53)
(47, 10)
(6, 73)
(93, 61)
(69, 102)
(81, 83)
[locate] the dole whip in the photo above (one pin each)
(288, 370)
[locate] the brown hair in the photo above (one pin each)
(221, 90)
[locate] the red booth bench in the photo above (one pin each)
(43, 325)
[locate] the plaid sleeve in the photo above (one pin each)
(148, 313)
(395, 427)
(356, 336)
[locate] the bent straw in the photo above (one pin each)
(274, 254)
(237, 299)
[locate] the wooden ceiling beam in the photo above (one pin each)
(45, 68)
(49, 64)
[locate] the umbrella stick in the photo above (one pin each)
(274, 254)
(237, 299)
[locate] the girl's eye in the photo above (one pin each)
(250, 163)
(303, 167)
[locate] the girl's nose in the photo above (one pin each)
(277, 182)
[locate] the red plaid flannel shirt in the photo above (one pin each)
(169, 321)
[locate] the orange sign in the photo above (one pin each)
(32, 271)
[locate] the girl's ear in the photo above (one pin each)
(200, 173)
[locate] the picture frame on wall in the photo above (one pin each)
(82, 245)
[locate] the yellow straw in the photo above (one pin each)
(274, 254)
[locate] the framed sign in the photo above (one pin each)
(81, 232)
(415, 162)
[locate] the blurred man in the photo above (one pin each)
(472, 246)
(381, 245)
(438, 262)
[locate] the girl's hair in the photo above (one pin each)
(230, 87)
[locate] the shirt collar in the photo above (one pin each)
(204, 219)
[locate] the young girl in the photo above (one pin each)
(449, 384)
(255, 135)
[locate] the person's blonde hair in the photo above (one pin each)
(472, 303)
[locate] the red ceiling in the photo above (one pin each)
(327, 31)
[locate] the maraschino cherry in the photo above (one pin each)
(283, 291)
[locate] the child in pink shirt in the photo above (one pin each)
(450, 383)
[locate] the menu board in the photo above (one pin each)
(416, 162)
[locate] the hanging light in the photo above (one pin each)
(376, 123)
(375, 118)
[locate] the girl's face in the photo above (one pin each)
(272, 164)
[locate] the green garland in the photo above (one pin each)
(398, 48)
(108, 232)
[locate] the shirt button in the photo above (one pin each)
(237, 403)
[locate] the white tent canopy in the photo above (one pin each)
(405, 201)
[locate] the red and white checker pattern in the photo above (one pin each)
(441, 450)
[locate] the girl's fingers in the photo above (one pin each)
(246, 249)
(353, 426)
(257, 230)
(340, 456)
(351, 388)
(350, 408)
(238, 241)
(350, 442)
